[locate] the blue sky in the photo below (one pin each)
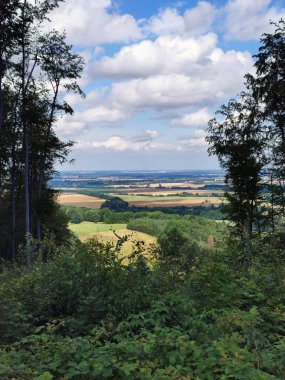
(156, 71)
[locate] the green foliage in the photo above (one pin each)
(85, 315)
(197, 228)
(177, 247)
(115, 204)
(147, 225)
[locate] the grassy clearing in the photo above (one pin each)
(104, 233)
(89, 228)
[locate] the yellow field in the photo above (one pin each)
(163, 192)
(168, 201)
(79, 200)
(104, 233)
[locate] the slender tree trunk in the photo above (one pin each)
(272, 204)
(26, 150)
(43, 160)
(13, 209)
(249, 218)
(27, 196)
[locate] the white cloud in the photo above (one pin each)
(195, 119)
(134, 144)
(199, 20)
(173, 72)
(91, 22)
(101, 114)
(152, 134)
(195, 142)
(165, 55)
(121, 144)
(69, 128)
(78, 124)
(211, 84)
(168, 21)
(194, 21)
(113, 143)
(248, 20)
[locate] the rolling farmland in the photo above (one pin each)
(168, 201)
(105, 233)
(79, 200)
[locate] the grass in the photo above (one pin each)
(89, 228)
(104, 233)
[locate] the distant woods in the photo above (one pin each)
(248, 136)
(36, 70)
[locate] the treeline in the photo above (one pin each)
(106, 215)
(248, 136)
(36, 69)
(198, 229)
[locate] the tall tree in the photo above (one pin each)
(268, 89)
(236, 137)
(36, 71)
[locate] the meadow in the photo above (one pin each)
(110, 233)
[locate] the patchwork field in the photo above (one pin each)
(163, 192)
(79, 200)
(168, 201)
(105, 233)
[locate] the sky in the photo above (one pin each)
(156, 71)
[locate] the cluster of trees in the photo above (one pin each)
(36, 69)
(248, 136)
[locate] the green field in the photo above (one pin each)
(89, 228)
(105, 234)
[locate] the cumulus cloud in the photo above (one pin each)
(121, 144)
(168, 21)
(173, 72)
(134, 144)
(199, 20)
(91, 22)
(165, 55)
(206, 87)
(68, 128)
(248, 20)
(195, 119)
(84, 120)
(194, 21)
(101, 114)
(197, 141)
(148, 135)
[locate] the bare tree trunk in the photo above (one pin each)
(26, 151)
(43, 159)
(249, 218)
(27, 196)
(13, 206)
(272, 204)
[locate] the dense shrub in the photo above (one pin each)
(147, 225)
(84, 315)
